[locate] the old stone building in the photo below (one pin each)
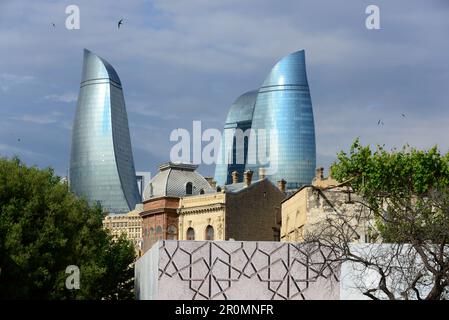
(161, 200)
(240, 211)
(304, 213)
(129, 224)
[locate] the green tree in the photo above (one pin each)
(407, 194)
(44, 228)
(406, 189)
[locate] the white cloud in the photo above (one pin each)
(42, 119)
(151, 112)
(9, 150)
(65, 97)
(188, 60)
(8, 80)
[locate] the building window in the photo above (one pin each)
(151, 189)
(190, 234)
(209, 233)
(159, 233)
(151, 235)
(202, 191)
(189, 188)
(172, 233)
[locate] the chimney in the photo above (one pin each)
(235, 177)
(319, 175)
(261, 173)
(247, 177)
(281, 185)
(211, 181)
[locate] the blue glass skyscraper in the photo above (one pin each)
(234, 148)
(284, 110)
(101, 160)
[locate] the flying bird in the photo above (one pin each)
(403, 115)
(120, 23)
(18, 139)
(53, 24)
(380, 122)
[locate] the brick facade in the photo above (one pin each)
(159, 220)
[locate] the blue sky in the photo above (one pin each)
(187, 60)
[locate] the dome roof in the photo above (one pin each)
(173, 181)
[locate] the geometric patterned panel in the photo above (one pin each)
(230, 270)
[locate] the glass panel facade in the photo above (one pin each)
(234, 147)
(101, 161)
(284, 105)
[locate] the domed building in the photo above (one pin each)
(176, 180)
(161, 199)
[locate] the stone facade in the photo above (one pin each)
(199, 212)
(247, 270)
(241, 211)
(129, 224)
(305, 210)
(236, 270)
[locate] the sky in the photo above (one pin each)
(186, 60)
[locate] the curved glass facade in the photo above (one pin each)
(234, 147)
(101, 160)
(284, 110)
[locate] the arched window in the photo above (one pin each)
(172, 233)
(159, 233)
(190, 234)
(151, 235)
(189, 188)
(209, 233)
(202, 191)
(218, 189)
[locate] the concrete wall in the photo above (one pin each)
(146, 271)
(191, 270)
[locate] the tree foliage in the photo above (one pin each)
(44, 228)
(406, 193)
(406, 189)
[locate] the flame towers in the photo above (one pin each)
(239, 117)
(282, 138)
(101, 160)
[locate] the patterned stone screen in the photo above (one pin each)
(191, 270)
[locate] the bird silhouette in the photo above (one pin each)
(53, 24)
(18, 139)
(120, 23)
(403, 115)
(380, 122)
